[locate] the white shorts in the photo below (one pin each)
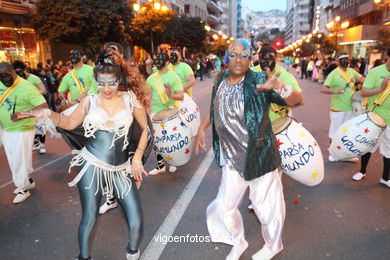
(336, 119)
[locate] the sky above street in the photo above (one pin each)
(265, 5)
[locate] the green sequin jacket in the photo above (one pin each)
(262, 155)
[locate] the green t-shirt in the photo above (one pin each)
(170, 79)
(28, 97)
(341, 102)
(35, 80)
(183, 70)
(257, 68)
(374, 79)
(85, 75)
(287, 79)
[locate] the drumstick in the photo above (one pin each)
(13, 109)
(277, 74)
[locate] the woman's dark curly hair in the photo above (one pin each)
(110, 62)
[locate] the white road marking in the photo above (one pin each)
(155, 248)
(37, 169)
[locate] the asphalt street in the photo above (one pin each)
(338, 219)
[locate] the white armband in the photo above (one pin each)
(286, 91)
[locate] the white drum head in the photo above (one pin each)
(165, 115)
(280, 124)
(377, 119)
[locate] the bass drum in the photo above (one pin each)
(301, 155)
(172, 137)
(190, 112)
(357, 136)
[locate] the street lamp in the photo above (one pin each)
(336, 26)
(153, 5)
(385, 4)
(207, 27)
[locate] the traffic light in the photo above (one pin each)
(278, 44)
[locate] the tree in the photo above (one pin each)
(383, 40)
(148, 27)
(307, 49)
(186, 32)
(87, 23)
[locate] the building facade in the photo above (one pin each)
(196, 8)
(18, 39)
(364, 19)
(298, 23)
(229, 17)
(214, 15)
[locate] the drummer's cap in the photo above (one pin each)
(343, 55)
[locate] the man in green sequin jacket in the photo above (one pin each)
(246, 149)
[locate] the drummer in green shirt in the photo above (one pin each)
(378, 83)
(267, 59)
(340, 85)
(21, 69)
(79, 81)
(17, 137)
(183, 70)
(166, 87)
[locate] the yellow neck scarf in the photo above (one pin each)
(346, 78)
(77, 81)
(382, 97)
(161, 89)
(9, 90)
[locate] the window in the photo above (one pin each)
(187, 9)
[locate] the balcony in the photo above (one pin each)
(213, 7)
(304, 27)
(212, 20)
(17, 6)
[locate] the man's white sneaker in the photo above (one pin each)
(42, 150)
(358, 176)
(133, 256)
(21, 196)
(35, 148)
(250, 207)
(107, 206)
(331, 159)
(387, 183)
(156, 171)
(172, 169)
(265, 254)
(355, 159)
(237, 251)
(28, 187)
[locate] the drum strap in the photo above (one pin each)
(278, 109)
(9, 90)
(382, 97)
(346, 78)
(160, 89)
(76, 80)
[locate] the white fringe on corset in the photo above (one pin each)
(104, 174)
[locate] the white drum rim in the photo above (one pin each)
(167, 119)
(282, 118)
(369, 117)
